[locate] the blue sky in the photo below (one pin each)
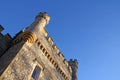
(87, 30)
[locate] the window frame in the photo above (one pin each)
(36, 64)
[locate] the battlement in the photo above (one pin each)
(66, 62)
(54, 61)
(74, 66)
(61, 55)
(55, 48)
(17, 38)
(4, 41)
(74, 62)
(58, 53)
(5, 37)
(50, 40)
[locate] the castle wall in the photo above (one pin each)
(22, 66)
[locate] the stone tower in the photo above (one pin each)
(32, 55)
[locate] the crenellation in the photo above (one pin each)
(18, 34)
(50, 58)
(61, 56)
(5, 41)
(50, 40)
(65, 62)
(17, 38)
(74, 67)
(55, 48)
(74, 62)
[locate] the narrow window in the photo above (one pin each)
(36, 73)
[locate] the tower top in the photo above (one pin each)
(74, 62)
(43, 15)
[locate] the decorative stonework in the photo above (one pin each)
(29, 37)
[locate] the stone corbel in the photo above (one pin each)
(29, 37)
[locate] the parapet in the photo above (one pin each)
(65, 62)
(55, 48)
(50, 40)
(74, 66)
(4, 41)
(7, 36)
(73, 62)
(61, 55)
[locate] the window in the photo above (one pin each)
(36, 73)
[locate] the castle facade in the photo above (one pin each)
(32, 55)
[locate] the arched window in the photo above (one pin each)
(36, 73)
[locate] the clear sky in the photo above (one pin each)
(87, 30)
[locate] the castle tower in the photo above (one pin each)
(32, 55)
(74, 66)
